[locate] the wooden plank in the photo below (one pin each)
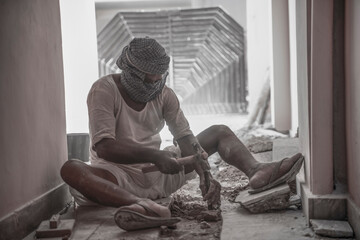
(64, 229)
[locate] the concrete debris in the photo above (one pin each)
(204, 225)
(174, 226)
(185, 206)
(165, 231)
(194, 210)
(187, 203)
(273, 199)
(257, 139)
(331, 228)
(308, 235)
(295, 200)
(259, 144)
(209, 216)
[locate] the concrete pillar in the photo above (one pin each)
(314, 23)
(280, 68)
(321, 168)
(352, 73)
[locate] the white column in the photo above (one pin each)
(258, 45)
(78, 29)
(280, 67)
(293, 68)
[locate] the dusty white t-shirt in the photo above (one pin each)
(111, 117)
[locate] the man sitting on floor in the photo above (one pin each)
(126, 113)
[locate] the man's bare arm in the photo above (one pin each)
(185, 144)
(111, 150)
(211, 195)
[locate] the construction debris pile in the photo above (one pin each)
(187, 202)
(198, 222)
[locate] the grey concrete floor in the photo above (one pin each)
(238, 223)
(287, 224)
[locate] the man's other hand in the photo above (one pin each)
(166, 162)
(212, 196)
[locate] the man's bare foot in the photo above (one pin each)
(150, 208)
(267, 173)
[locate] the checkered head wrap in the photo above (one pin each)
(142, 56)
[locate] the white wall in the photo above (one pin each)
(32, 122)
(236, 9)
(78, 28)
(107, 9)
(258, 46)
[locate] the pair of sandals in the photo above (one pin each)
(130, 220)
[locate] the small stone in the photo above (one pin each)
(259, 144)
(244, 178)
(295, 199)
(174, 226)
(293, 207)
(331, 228)
(199, 233)
(204, 225)
(164, 230)
(217, 162)
(210, 216)
(307, 235)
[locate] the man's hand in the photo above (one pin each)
(166, 162)
(213, 195)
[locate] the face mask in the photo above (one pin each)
(141, 91)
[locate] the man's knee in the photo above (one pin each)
(221, 130)
(70, 169)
